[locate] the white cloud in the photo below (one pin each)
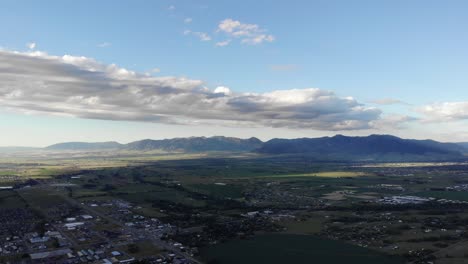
(444, 111)
(223, 43)
(200, 35)
(258, 39)
(248, 33)
(188, 20)
(393, 121)
(31, 45)
(104, 45)
(171, 7)
(222, 90)
(152, 71)
(35, 82)
(387, 101)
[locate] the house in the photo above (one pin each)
(87, 217)
(73, 225)
(49, 254)
(39, 239)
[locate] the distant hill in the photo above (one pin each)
(464, 145)
(82, 146)
(374, 147)
(191, 144)
(197, 144)
(17, 149)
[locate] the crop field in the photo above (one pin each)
(323, 174)
(40, 199)
(172, 196)
(279, 248)
(411, 164)
(222, 190)
(304, 227)
(41, 166)
(451, 195)
(10, 200)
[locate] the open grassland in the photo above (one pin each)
(192, 168)
(39, 167)
(325, 174)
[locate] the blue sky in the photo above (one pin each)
(408, 59)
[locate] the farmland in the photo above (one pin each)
(292, 249)
(223, 203)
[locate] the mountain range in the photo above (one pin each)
(85, 146)
(373, 147)
(191, 144)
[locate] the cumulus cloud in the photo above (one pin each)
(222, 90)
(248, 33)
(445, 111)
(152, 71)
(35, 82)
(200, 35)
(31, 45)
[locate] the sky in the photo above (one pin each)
(130, 70)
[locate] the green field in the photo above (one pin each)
(325, 174)
(41, 199)
(309, 226)
(165, 195)
(451, 195)
(10, 199)
(218, 191)
(282, 248)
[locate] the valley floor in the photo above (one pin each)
(231, 208)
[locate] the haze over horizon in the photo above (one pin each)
(126, 71)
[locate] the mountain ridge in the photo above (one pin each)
(190, 144)
(75, 145)
(335, 147)
(368, 147)
(197, 144)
